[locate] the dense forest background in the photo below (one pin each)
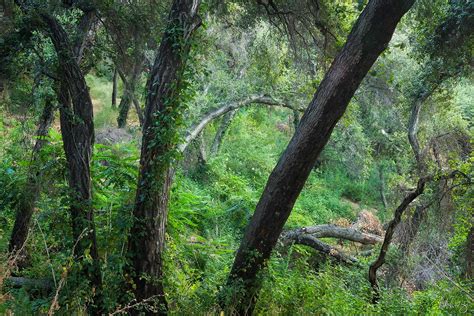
(240, 157)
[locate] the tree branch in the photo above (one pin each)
(318, 245)
(333, 231)
(197, 128)
(389, 234)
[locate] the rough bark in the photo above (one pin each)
(368, 38)
(77, 129)
(147, 235)
(197, 128)
(333, 231)
(221, 131)
(389, 235)
(32, 187)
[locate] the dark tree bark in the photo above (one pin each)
(470, 255)
(318, 245)
(7, 6)
(77, 129)
(114, 89)
(296, 119)
(147, 235)
(367, 40)
(389, 234)
(32, 187)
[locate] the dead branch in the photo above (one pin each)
(318, 245)
(333, 231)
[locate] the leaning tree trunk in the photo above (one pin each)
(367, 40)
(77, 129)
(32, 187)
(163, 109)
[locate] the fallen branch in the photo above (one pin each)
(17, 282)
(333, 231)
(318, 245)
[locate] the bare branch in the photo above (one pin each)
(197, 128)
(333, 231)
(318, 245)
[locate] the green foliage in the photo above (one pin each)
(240, 53)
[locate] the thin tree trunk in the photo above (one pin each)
(147, 235)
(296, 119)
(124, 107)
(130, 82)
(389, 234)
(470, 254)
(202, 158)
(382, 187)
(114, 89)
(221, 131)
(32, 187)
(368, 39)
(139, 110)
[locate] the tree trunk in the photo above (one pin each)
(389, 234)
(130, 82)
(7, 8)
(163, 108)
(32, 187)
(124, 107)
(470, 254)
(139, 110)
(77, 129)
(221, 131)
(114, 89)
(382, 187)
(367, 40)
